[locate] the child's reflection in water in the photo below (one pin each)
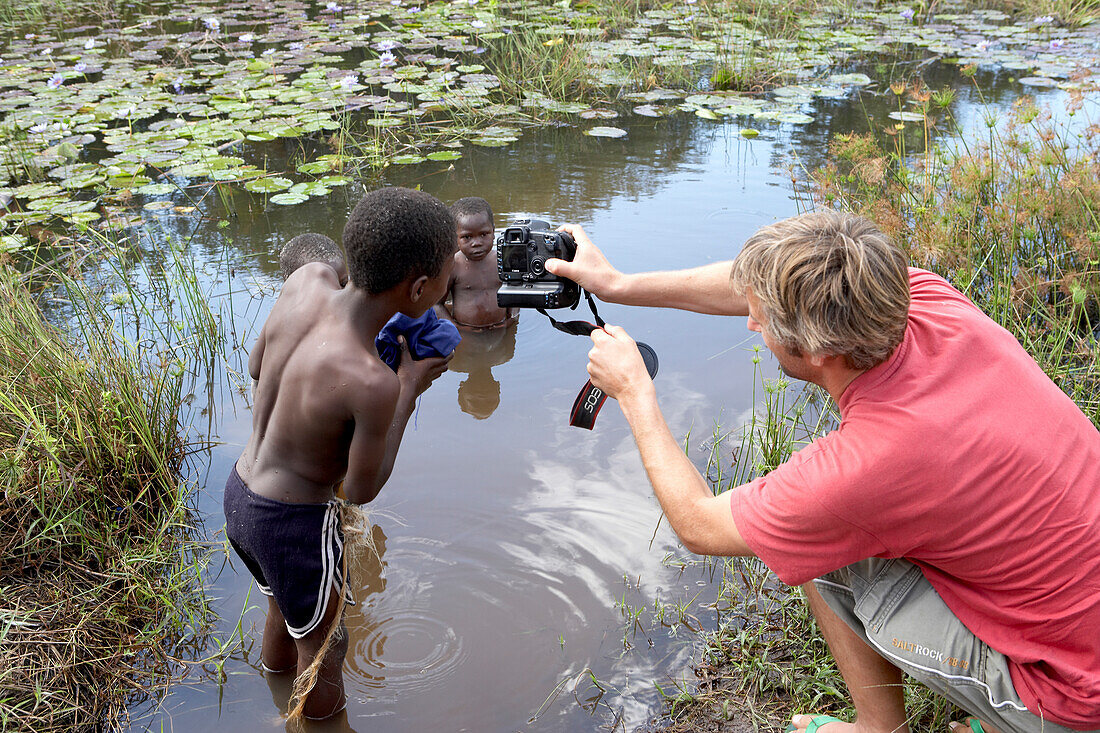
(479, 352)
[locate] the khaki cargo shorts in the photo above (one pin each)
(893, 607)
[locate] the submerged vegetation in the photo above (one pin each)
(100, 560)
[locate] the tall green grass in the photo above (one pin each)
(99, 563)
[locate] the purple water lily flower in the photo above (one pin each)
(80, 67)
(1056, 43)
(387, 59)
(333, 7)
(907, 13)
(296, 46)
(55, 81)
(386, 45)
(177, 85)
(1043, 19)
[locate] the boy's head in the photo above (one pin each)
(397, 233)
(312, 248)
(474, 226)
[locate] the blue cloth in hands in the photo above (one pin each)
(428, 335)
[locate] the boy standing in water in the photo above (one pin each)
(474, 283)
(328, 410)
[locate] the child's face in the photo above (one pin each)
(475, 235)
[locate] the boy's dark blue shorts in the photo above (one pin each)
(295, 551)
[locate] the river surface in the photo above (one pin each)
(516, 550)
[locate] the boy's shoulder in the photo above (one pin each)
(311, 275)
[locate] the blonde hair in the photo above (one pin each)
(828, 283)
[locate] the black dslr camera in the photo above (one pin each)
(522, 251)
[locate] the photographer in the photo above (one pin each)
(948, 527)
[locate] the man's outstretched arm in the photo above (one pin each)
(703, 521)
(704, 289)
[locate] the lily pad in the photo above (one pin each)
(289, 198)
(907, 116)
(605, 132)
(268, 185)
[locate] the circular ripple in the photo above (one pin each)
(405, 653)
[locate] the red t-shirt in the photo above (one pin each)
(959, 454)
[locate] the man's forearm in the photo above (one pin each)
(684, 495)
(705, 289)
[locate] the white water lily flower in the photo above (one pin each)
(1057, 43)
(246, 38)
(212, 24)
(387, 59)
(477, 23)
(386, 45)
(89, 44)
(1043, 19)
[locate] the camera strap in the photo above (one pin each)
(591, 398)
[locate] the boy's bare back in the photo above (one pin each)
(324, 401)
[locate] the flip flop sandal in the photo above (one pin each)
(819, 720)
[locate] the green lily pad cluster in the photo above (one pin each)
(169, 100)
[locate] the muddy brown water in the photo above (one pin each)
(510, 541)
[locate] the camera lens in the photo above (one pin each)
(538, 266)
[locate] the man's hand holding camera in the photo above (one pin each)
(615, 365)
(589, 268)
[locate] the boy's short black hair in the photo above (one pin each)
(393, 233)
(308, 248)
(470, 206)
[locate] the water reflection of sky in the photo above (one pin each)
(511, 540)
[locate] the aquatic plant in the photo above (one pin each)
(100, 563)
(152, 106)
(1013, 221)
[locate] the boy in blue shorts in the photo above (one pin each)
(328, 410)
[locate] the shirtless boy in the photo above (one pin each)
(327, 409)
(474, 283)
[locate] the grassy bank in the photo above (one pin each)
(99, 565)
(1013, 220)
